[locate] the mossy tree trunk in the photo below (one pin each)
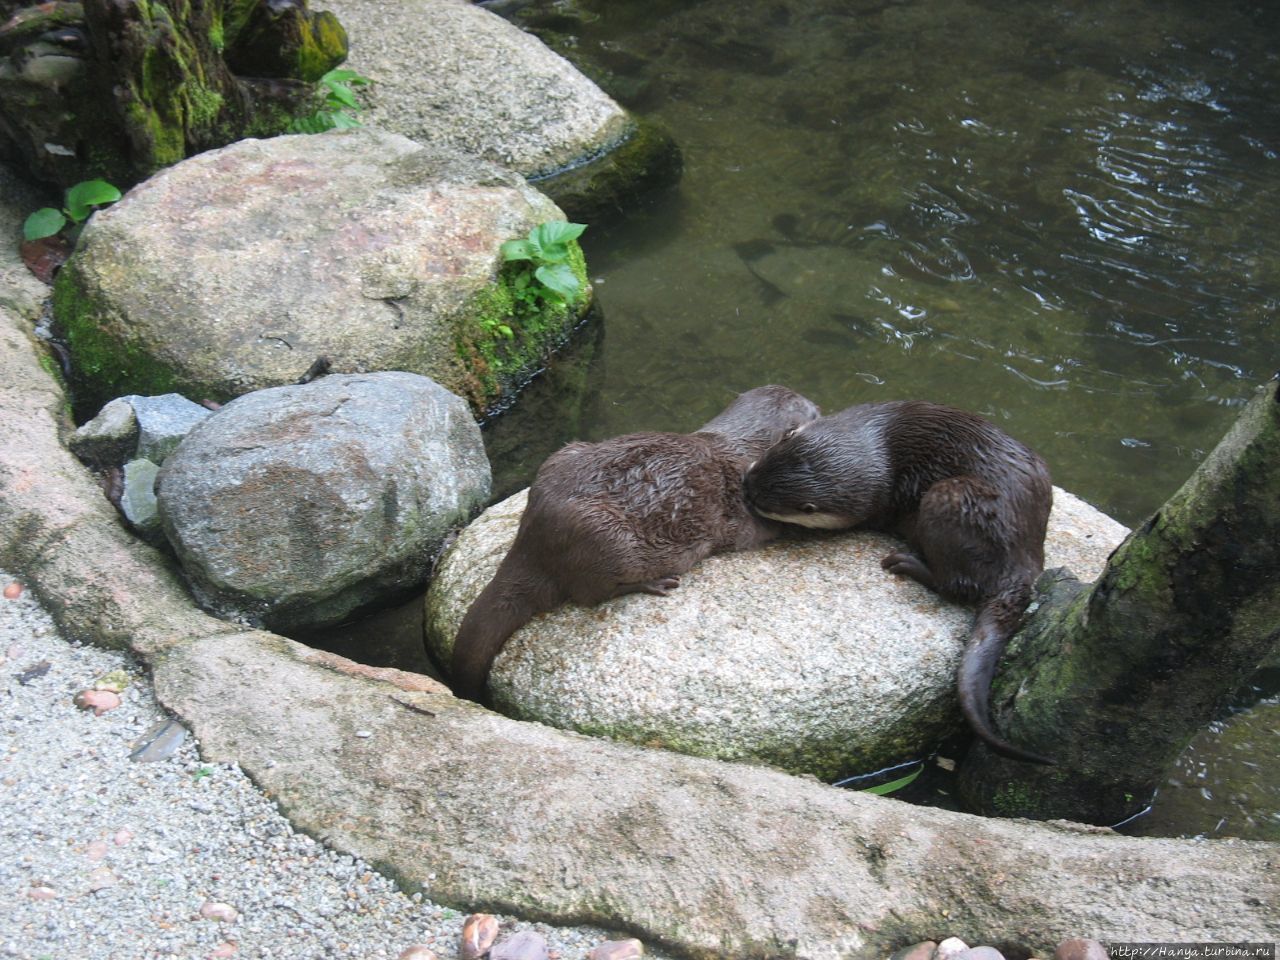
(121, 88)
(1115, 678)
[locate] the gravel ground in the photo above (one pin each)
(110, 857)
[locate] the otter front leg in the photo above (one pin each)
(903, 563)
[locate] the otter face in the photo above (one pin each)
(818, 477)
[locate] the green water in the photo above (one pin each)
(1061, 215)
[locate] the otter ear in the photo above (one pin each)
(791, 432)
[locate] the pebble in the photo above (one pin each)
(418, 951)
(478, 933)
(13, 591)
(1080, 949)
(99, 701)
(622, 950)
(920, 951)
(222, 912)
(224, 949)
(525, 945)
(950, 948)
(980, 953)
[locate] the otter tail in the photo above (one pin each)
(996, 622)
(510, 600)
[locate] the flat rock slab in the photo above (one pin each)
(296, 506)
(449, 72)
(804, 655)
(236, 269)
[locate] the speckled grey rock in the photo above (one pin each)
(804, 655)
(138, 502)
(446, 71)
(162, 423)
(295, 506)
(110, 438)
(236, 269)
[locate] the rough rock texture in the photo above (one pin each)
(805, 655)
(446, 71)
(127, 427)
(712, 859)
(295, 506)
(236, 269)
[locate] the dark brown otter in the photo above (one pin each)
(971, 502)
(626, 515)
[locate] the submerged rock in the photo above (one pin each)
(805, 654)
(234, 270)
(296, 506)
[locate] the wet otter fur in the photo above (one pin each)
(971, 502)
(626, 515)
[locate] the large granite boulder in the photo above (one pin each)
(236, 269)
(805, 655)
(451, 72)
(296, 506)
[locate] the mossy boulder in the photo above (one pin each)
(235, 270)
(804, 655)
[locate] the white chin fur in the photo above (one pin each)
(820, 521)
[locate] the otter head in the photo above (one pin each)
(759, 418)
(820, 476)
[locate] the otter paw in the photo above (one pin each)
(904, 564)
(661, 587)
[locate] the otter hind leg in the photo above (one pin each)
(904, 563)
(659, 586)
(956, 536)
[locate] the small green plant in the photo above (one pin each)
(885, 789)
(201, 773)
(544, 256)
(340, 108)
(80, 201)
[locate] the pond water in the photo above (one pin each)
(1060, 215)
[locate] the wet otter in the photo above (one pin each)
(971, 502)
(626, 515)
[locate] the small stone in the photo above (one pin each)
(525, 945)
(920, 951)
(980, 953)
(99, 701)
(224, 949)
(110, 438)
(41, 892)
(158, 743)
(417, 952)
(950, 948)
(100, 878)
(34, 673)
(138, 502)
(222, 912)
(96, 850)
(478, 933)
(13, 591)
(163, 422)
(116, 681)
(122, 836)
(617, 950)
(364, 734)
(1080, 948)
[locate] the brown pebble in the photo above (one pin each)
(41, 892)
(919, 951)
(617, 950)
(478, 933)
(1080, 949)
(949, 948)
(222, 950)
(100, 878)
(525, 945)
(222, 912)
(13, 591)
(417, 952)
(96, 850)
(122, 836)
(99, 701)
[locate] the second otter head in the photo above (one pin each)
(759, 418)
(821, 475)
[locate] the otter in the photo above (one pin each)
(971, 502)
(626, 515)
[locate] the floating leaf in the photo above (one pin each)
(895, 785)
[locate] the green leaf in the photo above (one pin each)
(45, 222)
(506, 331)
(343, 121)
(341, 95)
(895, 785)
(84, 196)
(338, 75)
(560, 280)
(517, 250)
(557, 233)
